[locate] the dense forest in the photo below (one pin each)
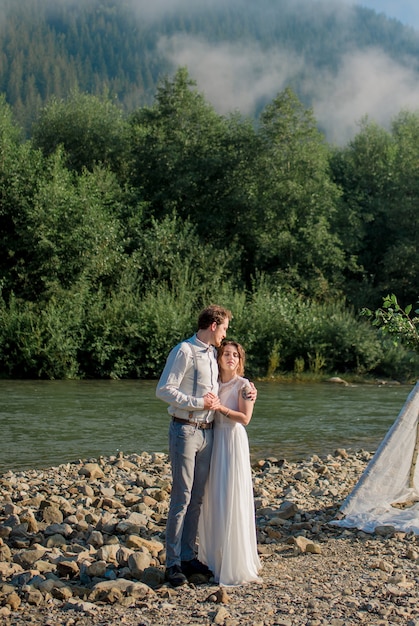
(51, 47)
(118, 223)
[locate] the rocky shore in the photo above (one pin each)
(83, 544)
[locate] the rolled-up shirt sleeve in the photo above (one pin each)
(176, 382)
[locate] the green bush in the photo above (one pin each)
(97, 334)
(280, 328)
(39, 342)
(398, 362)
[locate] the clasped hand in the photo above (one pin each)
(211, 401)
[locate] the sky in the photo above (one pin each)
(407, 11)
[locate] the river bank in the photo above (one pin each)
(83, 544)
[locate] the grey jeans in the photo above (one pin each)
(190, 455)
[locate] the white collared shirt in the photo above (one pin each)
(177, 379)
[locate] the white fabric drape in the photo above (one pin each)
(388, 491)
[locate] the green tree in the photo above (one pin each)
(175, 147)
(378, 220)
(169, 252)
(401, 263)
(92, 130)
(56, 227)
(21, 168)
(296, 200)
(365, 171)
(192, 162)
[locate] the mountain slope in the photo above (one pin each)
(241, 53)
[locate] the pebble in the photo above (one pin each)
(83, 543)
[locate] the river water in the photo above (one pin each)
(46, 423)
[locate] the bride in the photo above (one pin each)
(227, 530)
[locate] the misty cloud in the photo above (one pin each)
(238, 77)
(369, 84)
(232, 76)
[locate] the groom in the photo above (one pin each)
(189, 384)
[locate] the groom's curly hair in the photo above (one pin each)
(213, 313)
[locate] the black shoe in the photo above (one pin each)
(195, 567)
(175, 576)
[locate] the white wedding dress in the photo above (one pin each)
(227, 529)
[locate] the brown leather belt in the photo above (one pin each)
(200, 425)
